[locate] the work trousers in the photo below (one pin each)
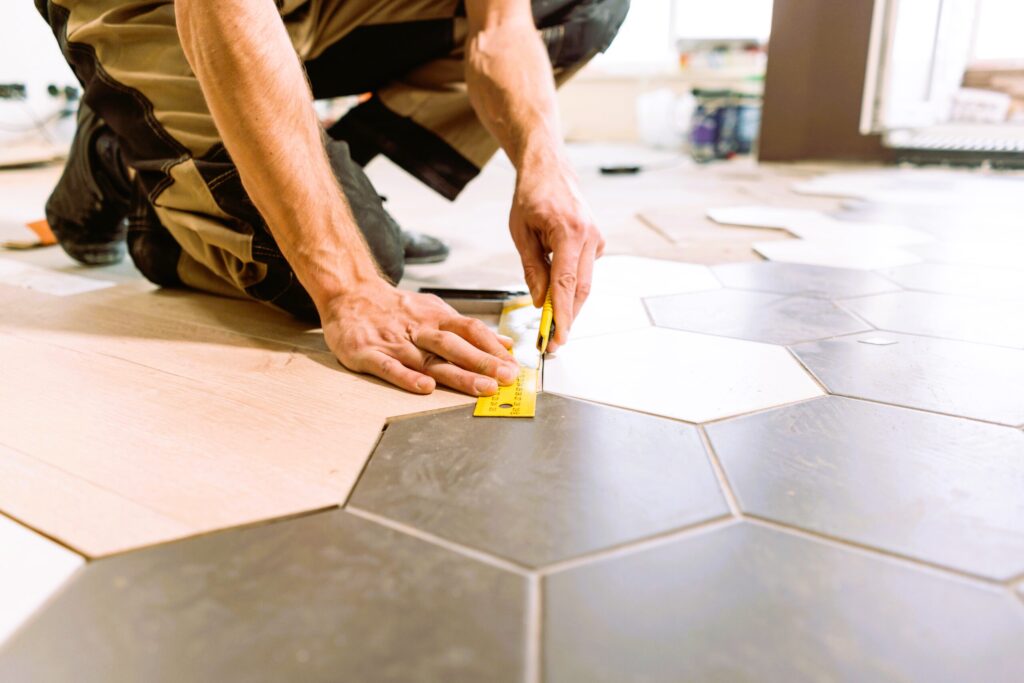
(193, 224)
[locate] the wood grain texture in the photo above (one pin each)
(202, 427)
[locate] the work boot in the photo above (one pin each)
(420, 248)
(92, 197)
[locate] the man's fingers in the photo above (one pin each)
(584, 274)
(479, 335)
(535, 270)
(564, 279)
(454, 348)
(392, 370)
(461, 380)
(448, 374)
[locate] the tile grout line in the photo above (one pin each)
(433, 539)
(42, 534)
(922, 410)
(723, 480)
(534, 628)
(366, 465)
(639, 545)
(878, 553)
(278, 519)
(806, 369)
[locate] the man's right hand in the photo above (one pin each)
(416, 341)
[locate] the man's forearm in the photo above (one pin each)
(510, 83)
(255, 89)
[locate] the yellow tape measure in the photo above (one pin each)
(530, 331)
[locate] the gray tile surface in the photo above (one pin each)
(947, 223)
(985, 321)
(976, 281)
(755, 316)
(746, 603)
(952, 377)
(820, 282)
(329, 597)
(577, 478)
(940, 489)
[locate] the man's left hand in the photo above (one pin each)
(557, 241)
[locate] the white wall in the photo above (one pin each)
(29, 55)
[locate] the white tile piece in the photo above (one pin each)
(773, 217)
(643, 277)
(882, 234)
(1005, 254)
(940, 278)
(32, 568)
(836, 254)
(683, 375)
(919, 186)
(610, 313)
(47, 281)
(815, 225)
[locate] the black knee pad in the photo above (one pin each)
(381, 232)
(587, 28)
(151, 247)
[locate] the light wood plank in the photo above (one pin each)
(202, 425)
(24, 481)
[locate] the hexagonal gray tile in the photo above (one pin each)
(977, 281)
(575, 479)
(329, 597)
(940, 489)
(746, 603)
(952, 377)
(984, 321)
(798, 279)
(754, 316)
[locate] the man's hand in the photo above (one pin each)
(416, 341)
(549, 217)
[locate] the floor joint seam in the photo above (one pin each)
(366, 465)
(534, 628)
(639, 545)
(922, 410)
(42, 534)
(433, 539)
(807, 369)
(854, 546)
(723, 480)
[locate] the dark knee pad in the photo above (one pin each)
(152, 248)
(584, 29)
(382, 233)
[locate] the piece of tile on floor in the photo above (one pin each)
(576, 479)
(939, 375)
(973, 223)
(747, 603)
(755, 316)
(994, 283)
(836, 254)
(818, 226)
(639, 277)
(940, 489)
(326, 597)
(689, 225)
(986, 321)
(608, 313)
(32, 569)
(993, 254)
(688, 376)
(820, 282)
